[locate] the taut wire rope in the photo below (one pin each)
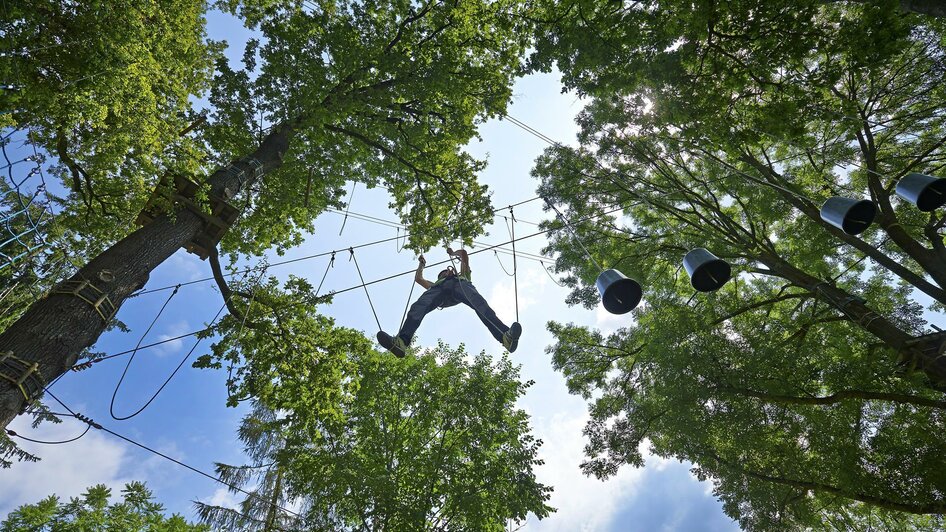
(322, 254)
(336, 292)
(565, 222)
(93, 424)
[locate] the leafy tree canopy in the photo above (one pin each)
(105, 87)
(726, 127)
(137, 511)
(384, 93)
(428, 442)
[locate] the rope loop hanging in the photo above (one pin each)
(501, 265)
(573, 233)
(547, 272)
(364, 285)
(135, 352)
(515, 267)
(331, 263)
(397, 239)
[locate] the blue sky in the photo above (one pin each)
(190, 422)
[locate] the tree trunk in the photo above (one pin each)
(55, 330)
(856, 311)
(933, 8)
(270, 523)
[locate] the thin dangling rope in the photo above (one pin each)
(363, 285)
(562, 218)
(515, 267)
(547, 272)
(351, 196)
(331, 263)
(407, 305)
(397, 239)
(167, 381)
(503, 266)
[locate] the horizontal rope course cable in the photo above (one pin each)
(379, 221)
(326, 254)
(233, 487)
(392, 223)
(87, 364)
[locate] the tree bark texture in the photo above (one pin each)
(55, 330)
(856, 310)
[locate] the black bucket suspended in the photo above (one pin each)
(619, 294)
(849, 215)
(707, 271)
(927, 192)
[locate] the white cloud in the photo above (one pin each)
(224, 498)
(66, 470)
(502, 294)
(608, 323)
(187, 267)
(174, 329)
(583, 503)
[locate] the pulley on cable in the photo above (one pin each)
(619, 293)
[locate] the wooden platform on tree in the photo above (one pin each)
(933, 343)
(218, 217)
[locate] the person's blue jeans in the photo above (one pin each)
(448, 293)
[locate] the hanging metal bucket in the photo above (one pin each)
(707, 271)
(619, 294)
(927, 192)
(849, 215)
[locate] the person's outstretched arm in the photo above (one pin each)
(419, 274)
(464, 260)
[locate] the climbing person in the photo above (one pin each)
(449, 289)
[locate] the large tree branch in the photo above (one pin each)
(837, 397)
(225, 291)
(914, 508)
(81, 180)
(813, 213)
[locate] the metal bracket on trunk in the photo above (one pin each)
(22, 374)
(256, 170)
(88, 292)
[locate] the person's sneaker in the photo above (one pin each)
(392, 343)
(511, 337)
